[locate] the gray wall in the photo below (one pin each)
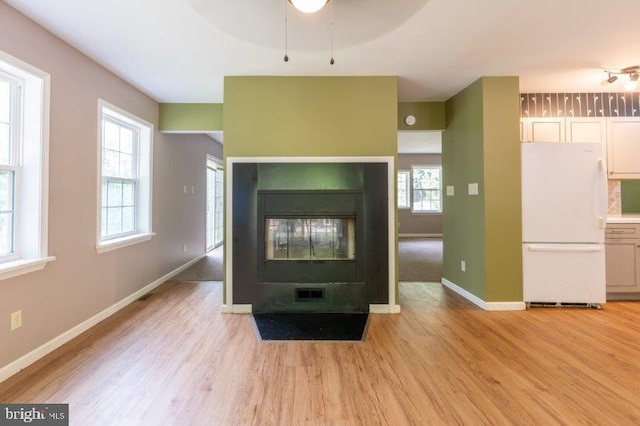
(418, 223)
(80, 283)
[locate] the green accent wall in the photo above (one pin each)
(310, 116)
(481, 145)
(502, 184)
(429, 115)
(200, 118)
(630, 193)
(208, 117)
(310, 176)
(463, 163)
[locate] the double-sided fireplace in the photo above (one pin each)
(310, 245)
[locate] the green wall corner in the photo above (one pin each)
(462, 164)
(429, 115)
(481, 145)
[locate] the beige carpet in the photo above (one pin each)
(420, 260)
(209, 268)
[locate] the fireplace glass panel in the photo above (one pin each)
(310, 238)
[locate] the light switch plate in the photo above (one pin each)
(473, 189)
(450, 190)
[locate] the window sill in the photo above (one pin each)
(425, 213)
(123, 242)
(23, 266)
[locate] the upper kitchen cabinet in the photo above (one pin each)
(623, 147)
(542, 129)
(560, 129)
(586, 129)
(610, 118)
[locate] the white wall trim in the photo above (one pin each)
(419, 235)
(53, 344)
(391, 186)
(464, 293)
(237, 309)
(384, 309)
(487, 306)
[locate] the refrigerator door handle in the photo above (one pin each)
(604, 194)
(565, 247)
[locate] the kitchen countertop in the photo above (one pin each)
(623, 218)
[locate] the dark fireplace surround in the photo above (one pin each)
(310, 237)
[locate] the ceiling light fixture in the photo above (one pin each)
(633, 73)
(308, 6)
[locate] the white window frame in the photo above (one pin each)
(214, 164)
(407, 189)
(31, 167)
(439, 190)
(144, 179)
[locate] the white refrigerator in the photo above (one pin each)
(564, 209)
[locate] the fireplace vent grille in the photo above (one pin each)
(309, 294)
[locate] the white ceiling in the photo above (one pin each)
(180, 50)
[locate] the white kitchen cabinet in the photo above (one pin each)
(586, 129)
(623, 147)
(622, 254)
(542, 129)
(561, 129)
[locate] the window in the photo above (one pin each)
(427, 189)
(125, 154)
(215, 187)
(10, 170)
(24, 109)
(404, 201)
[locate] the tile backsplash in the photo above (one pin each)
(615, 197)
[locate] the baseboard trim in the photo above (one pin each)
(419, 235)
(237, 309)
(487, 306)
(53, 344)
(384, 309)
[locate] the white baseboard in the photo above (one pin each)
(419, 235)
(237, 309)
(384, 309)
(487, 306)
(53, 344)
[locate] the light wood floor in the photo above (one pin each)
(174, 359)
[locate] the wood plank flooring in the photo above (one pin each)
(174, 359)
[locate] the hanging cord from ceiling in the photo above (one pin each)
(286, 30)
(331, 62)
(286, 35)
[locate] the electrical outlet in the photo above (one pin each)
(463, 266)
(16, 320)
(184, 248)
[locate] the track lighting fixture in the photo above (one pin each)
(633, 74)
